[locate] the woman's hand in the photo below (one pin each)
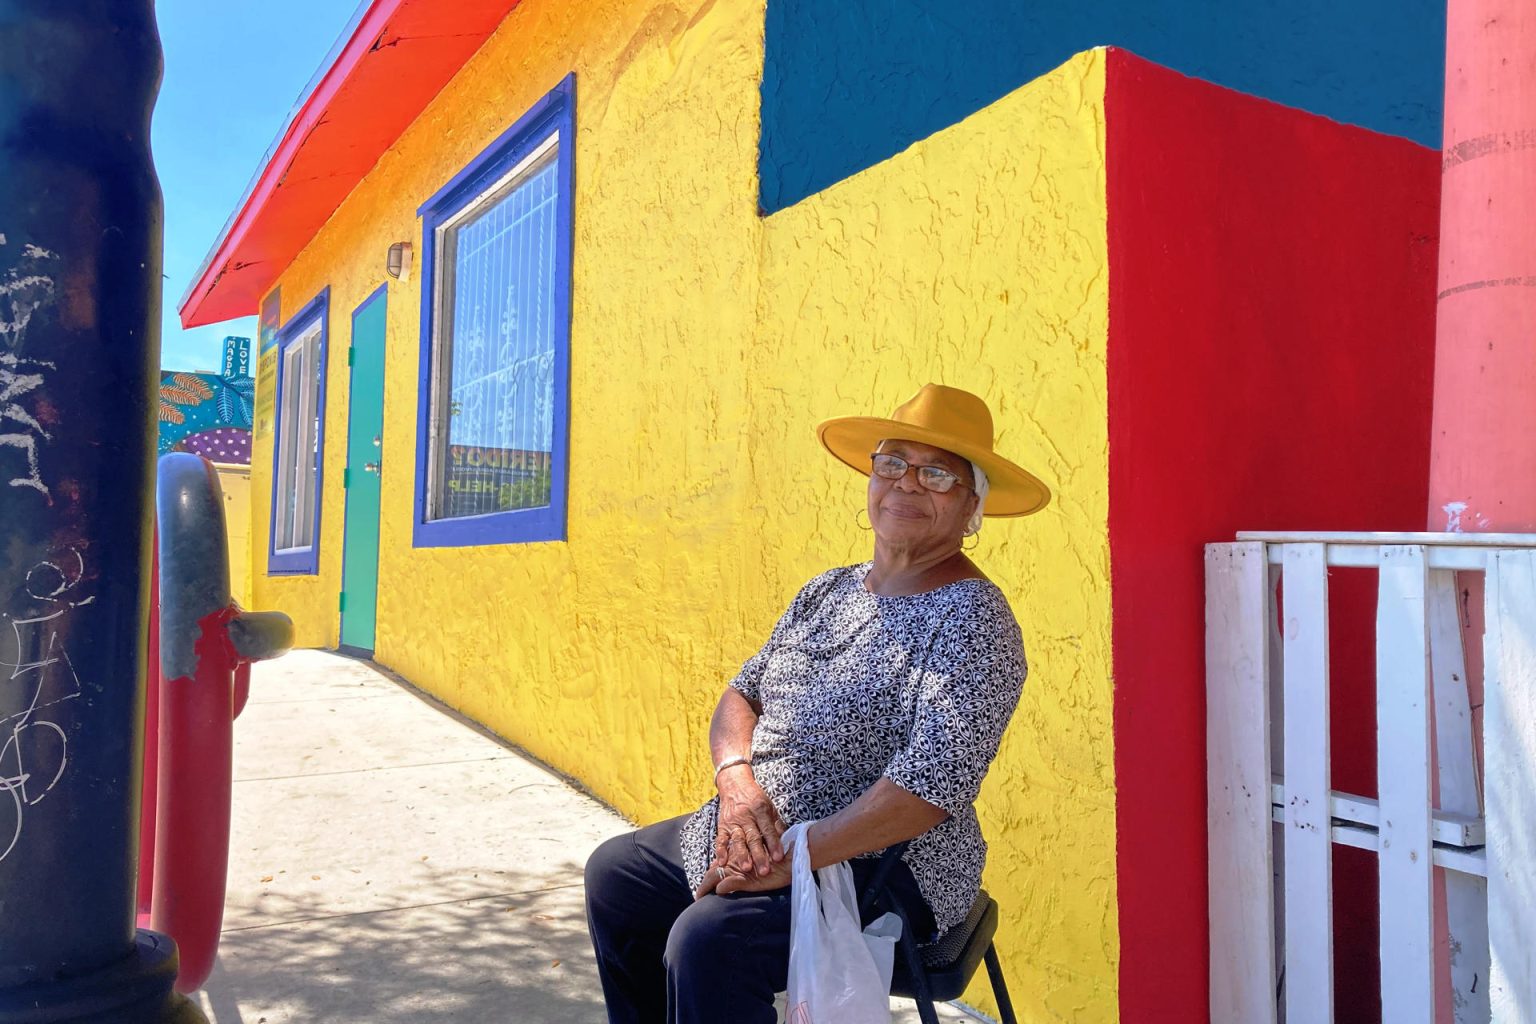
(722, 880)
(748, 839)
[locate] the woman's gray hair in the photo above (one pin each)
(973, 525)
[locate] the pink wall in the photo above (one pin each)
(1484, 419)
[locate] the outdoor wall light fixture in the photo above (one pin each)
(398, 262)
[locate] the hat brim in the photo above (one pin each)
(1011, 491)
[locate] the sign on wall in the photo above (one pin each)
(266, 368)
(237, 357)
(268, 323)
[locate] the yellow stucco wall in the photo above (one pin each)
(978, 258)
(706, 341)
(235, 483)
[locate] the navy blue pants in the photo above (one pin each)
(663, 957)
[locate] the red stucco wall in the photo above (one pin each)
(1271, 325)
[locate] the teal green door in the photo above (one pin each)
(363, 475)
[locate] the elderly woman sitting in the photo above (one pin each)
(874, 710)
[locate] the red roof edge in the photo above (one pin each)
(366, 26)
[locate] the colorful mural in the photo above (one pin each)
(209, 414)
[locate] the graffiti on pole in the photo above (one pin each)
(25, 287)
(37, 675)
(34, 751)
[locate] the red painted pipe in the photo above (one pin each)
(242, 686)
(187, 868)
(196, 765)
(203, 639)
(188, 761)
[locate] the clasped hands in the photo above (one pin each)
(749, 851)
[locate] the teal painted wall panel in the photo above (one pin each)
(848, 84)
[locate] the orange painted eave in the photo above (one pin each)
(399, 56)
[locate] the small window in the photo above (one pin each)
(299, 442)
(496, 334)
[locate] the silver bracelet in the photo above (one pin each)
(731, 762)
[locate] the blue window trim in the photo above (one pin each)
(554, 113)
(305, 561)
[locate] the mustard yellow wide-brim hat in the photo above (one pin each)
(947, 418)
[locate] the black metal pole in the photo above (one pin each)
(80, 259)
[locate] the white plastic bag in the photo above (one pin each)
(837, 973)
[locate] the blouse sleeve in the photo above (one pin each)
(748, 681)
(968, 692)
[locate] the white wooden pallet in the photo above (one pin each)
(1458, 888)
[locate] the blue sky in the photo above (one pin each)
(233, 70)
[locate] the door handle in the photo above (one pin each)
(378, 442)
(372, 467)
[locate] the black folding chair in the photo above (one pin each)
(939, 971)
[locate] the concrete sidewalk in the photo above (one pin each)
(390, 863)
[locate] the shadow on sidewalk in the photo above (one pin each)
(520, 957)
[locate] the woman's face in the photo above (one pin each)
(905, 513)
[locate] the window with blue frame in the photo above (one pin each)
(299, 442)
(491, 452)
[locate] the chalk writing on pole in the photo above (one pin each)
(34, 751)
(24, 289)
(19, 378)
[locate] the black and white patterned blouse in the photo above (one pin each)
(853, 687)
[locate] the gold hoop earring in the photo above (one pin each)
(975, 541)
(862, 524)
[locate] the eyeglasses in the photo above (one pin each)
(933, 478)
